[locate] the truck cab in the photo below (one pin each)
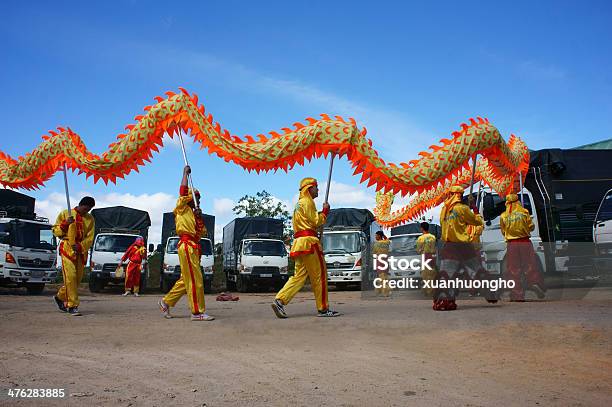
(403, 247)
(602, 233)
(106, 253)
(27, 253)
(254, 255)
(171, 267)
(343, 247)
(261, 261)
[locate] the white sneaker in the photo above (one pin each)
(202, 317)
(125, 294)
(279, 309)
(164, 308)
(328, 314)
(136, 295)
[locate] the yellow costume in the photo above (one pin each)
(190, 230)
(515, 222)
(426, 244)
(456, 217)
(79, 233)
(307, 250)
(516, 226)
(382, 247)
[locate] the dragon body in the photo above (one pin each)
(428, 176)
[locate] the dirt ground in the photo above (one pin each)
(392, 352)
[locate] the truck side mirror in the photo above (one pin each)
(151, 247)
(159, 248)
(4, 237)
(488, 207)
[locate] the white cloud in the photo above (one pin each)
(345, 195)
(223, 206)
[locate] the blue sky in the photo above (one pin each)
(411, 73)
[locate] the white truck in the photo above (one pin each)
(345, 236)
(116, 229)
(254, 253)
(27, 245)
(602, 234)
(403, 247)
(562, 192)
(171, 268)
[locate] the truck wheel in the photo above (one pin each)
(95, 286)
(35, 288)
(242, 285)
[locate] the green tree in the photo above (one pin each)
(264, 204)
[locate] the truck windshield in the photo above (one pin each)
(605, 211)
(113, 243)
(32, 236)
(403, 245)
(264, 248)
(172, 246)
(341, 243)
(500, 205)
(206, 247)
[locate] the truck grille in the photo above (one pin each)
(338, 265)
(109, 267)
(264, 270)
(35, 263)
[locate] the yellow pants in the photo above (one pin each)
(73, 274)
(310, 266)
(385, 289)
(191, 281)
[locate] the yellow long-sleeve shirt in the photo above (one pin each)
(455, 225)
(516, 222)
(381, 246)
(426, 244)
(184, 218)
(80, 232)
(306, 217)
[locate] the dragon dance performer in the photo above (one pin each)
(516, 226)
(76, 230)
(190, 228)
(475, 232)
(307, 252)
(426, 245)
(457, 252)
(381, 246)
(135, 255)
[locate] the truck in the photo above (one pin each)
(562, 191)
(346, 235)
(28, 249)
(171, 268)
(117, 227)
(602, 234)
(403, 246)
(254, 253)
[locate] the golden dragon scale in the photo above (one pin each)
(436, 168)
